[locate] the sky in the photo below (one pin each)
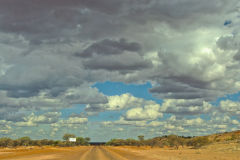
(119, 68)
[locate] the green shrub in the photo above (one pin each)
(198, 142)
(6, 142)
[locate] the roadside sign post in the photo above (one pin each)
(72, 139)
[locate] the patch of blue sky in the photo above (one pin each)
(106, 116)
(166, 116)
(138, 90)
(235, 117)
(232, 97)
(205, 116)
(118, 88)
(77, 109)
(227, 22)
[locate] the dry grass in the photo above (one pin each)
(223, 137)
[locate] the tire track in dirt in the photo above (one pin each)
(100, 153)
(45, 154)
(129, 155)
(78, 153)
(90, 154)
(112, 155)
(74, 154)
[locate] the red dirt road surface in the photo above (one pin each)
(220, 152)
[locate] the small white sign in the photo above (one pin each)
(72, 139)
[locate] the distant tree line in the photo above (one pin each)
(27, 141)
(169, 141)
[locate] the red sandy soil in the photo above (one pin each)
(220, 151)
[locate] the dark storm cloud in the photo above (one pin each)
(9, 108)
(58, 20)
(191, 81)
(176, 90)
(181, 15)
(179, 91)
(85, 99)
(22, 93)
(114, 55)
(189, 95)
(127, 61)
(237, 56)
(32, 19)
(110, 47)
(172, 87)
(52, 20)
(229, 42)
(10, 113)
(34, 73)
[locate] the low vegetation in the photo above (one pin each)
(173, 141)
(164, 141)
(27, 141)
(178, 141)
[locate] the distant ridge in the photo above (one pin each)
(219, 137)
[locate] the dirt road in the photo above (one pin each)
(101, 153)
(74, 153)
(219, 152)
